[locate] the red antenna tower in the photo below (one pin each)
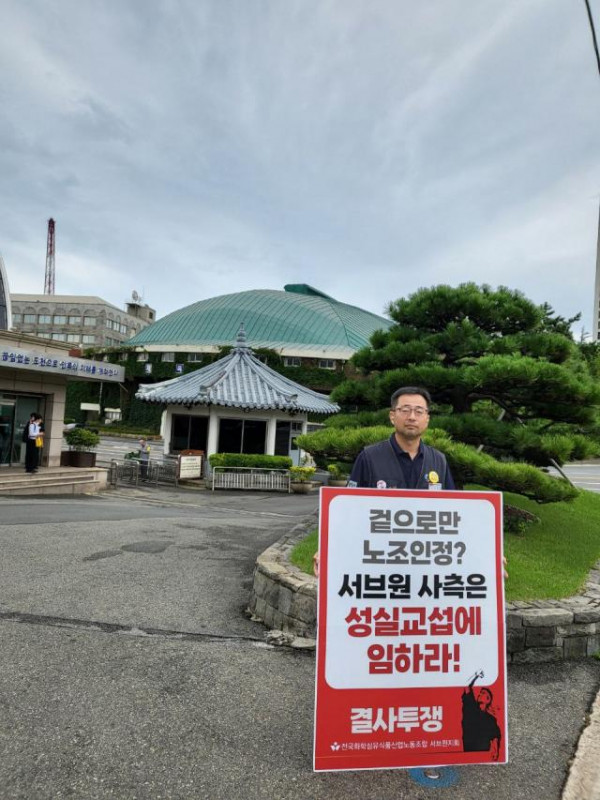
(50, 270)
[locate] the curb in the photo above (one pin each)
(583, 782)
(285, 599)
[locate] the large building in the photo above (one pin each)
(80, 321)
(305, 326)
(33, 378)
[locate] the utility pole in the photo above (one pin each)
(596, 314)
(50, 268)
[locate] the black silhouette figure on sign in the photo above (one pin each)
(480, 730)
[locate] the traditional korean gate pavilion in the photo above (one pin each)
(235, 405)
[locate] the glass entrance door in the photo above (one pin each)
(7, 428)
(25, 405)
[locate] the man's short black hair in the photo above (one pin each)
(410, 390)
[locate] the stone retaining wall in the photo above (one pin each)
(285, 598)
(550, 630)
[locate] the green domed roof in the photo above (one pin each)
(300, 318)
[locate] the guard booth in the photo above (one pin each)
(235, 405)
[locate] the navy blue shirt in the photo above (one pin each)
(411, 468)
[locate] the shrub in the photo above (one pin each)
(338, 471)
(517, 520)
(302, 474)
(467, 465)
(249, 460)
(82, 439)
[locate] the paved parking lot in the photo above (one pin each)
(130, 671)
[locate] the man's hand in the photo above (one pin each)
(504, 572)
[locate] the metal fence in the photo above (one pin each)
(132, 472)
(127, 472)
(166, 471)
(271, 480)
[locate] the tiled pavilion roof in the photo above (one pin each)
(239, 380)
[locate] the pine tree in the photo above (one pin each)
(504, 373)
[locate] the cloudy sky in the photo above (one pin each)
(190, 148)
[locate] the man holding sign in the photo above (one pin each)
(402, 461)
(410, 604)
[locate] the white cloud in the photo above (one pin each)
(196, 148)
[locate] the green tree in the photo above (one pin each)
(504, 372)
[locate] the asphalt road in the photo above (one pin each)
(130, 671)
(585, 474)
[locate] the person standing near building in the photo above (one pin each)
(32, 454)
(144, 458)
(41, 438)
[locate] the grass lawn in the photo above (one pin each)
(550, 560)
(304, 551)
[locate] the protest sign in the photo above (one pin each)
(411, 664)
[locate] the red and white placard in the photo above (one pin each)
(411, 658)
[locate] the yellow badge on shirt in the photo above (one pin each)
(433, 477)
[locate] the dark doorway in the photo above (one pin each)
(282, 438)
(188, 433)
(242, 436)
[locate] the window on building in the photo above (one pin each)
(326, 363)
(59, 337)
(89, 321)
(167, 357)
(194, 358)
(142, 357)
(122, 328)
(74, 320)
(60, 319)
(29, 318)
(292, 361)
(17, 317)
(242, 436)
(282, 438)
(88, 339)
(45, 319)
(73, 338)
(188, 433)
(44, 335)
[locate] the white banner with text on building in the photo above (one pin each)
(411, 664)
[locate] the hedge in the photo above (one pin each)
(467, 465)
(248, 460)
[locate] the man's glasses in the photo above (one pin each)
(406, 411)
